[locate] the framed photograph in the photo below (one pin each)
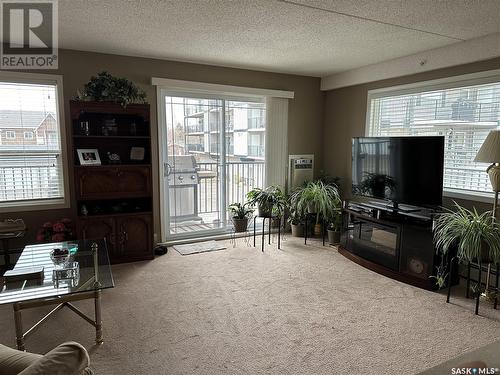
(137, 153)
(88, 156)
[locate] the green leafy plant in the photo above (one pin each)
(240, 211)
(271, 200)
(476, 236)
(107, 87)
(316, 197)
(441, 274)
(335, 220)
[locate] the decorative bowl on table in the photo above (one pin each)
(59, 256)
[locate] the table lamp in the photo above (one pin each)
(490, 153)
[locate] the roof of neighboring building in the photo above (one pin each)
(10, 119)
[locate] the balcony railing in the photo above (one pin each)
(241, 177)
(257, 151)
(195, 128)
(256, 123)
(195, 147)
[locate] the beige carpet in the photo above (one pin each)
(301, 310)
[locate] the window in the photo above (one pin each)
(31, 173)
(462, 112)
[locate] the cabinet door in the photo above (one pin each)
(134, 235)
(98, 228)
(113, 182)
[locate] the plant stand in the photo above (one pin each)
(270, 219)
(305, 229)
(245, 235)
(454, 262)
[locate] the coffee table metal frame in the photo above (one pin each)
(61, 302)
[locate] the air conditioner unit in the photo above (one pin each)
(301, 169)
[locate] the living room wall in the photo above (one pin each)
(345, 117)
(305, 110)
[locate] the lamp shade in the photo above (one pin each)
(490, 150)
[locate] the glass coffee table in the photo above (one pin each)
(81, 274)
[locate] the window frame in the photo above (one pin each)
(8, 132)
(472, 79)
(49, 203)
(31, 137)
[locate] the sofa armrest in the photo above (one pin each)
(69, 358)
(13, 361)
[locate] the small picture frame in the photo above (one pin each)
(88, 156)
(137, 153)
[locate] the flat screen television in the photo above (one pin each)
(402, 170)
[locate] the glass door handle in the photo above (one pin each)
(167, 169)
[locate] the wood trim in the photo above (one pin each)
(424, 284)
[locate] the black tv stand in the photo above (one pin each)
(396, 243)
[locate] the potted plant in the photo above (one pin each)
(239, 214)
(475, 236)
(106, 87)
(296, 221)
(334, 227)
(270, 201)
(318, 198)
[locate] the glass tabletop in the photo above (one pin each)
(85, 267)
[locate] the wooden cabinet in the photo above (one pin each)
(129, 237)
(114, 200)
(98, 227)
(134, 236)
(113, 182)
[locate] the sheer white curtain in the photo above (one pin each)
(276, 141)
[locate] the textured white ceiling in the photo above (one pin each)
(309, 37)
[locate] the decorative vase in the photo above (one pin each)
(240, 225)
(318, 229)
(333, 236)
(297, 230)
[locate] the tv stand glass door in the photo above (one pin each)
(376, 242)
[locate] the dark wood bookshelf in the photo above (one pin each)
(114, 200)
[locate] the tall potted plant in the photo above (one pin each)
(334, 227)
(270, 201)
(239, 215)
(317, 198)
(476, 236)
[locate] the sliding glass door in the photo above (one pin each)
(213, 154)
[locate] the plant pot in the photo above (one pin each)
(333, 237)
(318, 230)
(297, 230)
(240, 225)
(265, 210)
(311, 208)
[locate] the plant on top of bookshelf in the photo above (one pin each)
(106, 87)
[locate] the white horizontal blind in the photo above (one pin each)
(30, 144)
(464, 115)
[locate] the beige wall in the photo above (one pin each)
(345, 117)
(305, 110)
